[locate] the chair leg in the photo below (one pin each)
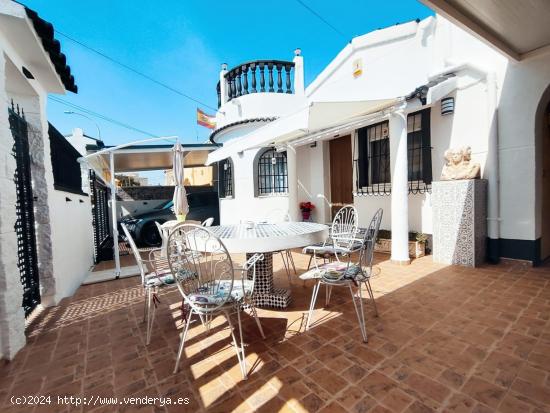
(360, 311)
(328, 293)
(182, 342)
(151, 319)
(149, 300)
(255, 315)
(145, 304)
(312, 304)
(286, 266)
(291, 260)
(240, 350)
(371, 294)
(309, 263)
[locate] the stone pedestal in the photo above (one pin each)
(459, 221)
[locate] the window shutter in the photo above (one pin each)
(363, 158)
(426, 147)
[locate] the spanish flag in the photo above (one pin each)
(208, 121)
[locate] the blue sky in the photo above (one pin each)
(183, 43)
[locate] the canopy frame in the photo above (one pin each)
(97, 162)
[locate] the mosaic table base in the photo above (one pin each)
(265, 295)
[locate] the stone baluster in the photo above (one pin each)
(245, 79)
(270, 70)
(238, 85)
(288, 82)
(279, 78)
(262, 77)
(253, 74)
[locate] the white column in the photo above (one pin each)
(114, 221)
(299, 87)
(292, 183)
(223, 84)
(399, 188)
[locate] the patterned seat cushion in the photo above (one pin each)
(218, 292)
(332, 271)
(329, 249)
(165, 277)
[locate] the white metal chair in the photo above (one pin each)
(155, 275)
(343, 234)
(345, 272)
(208, 222)
(162, 233)
(212, 288)
(275, 216)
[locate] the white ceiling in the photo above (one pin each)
(516, 27)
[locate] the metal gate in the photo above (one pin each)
(24, 225)
(103, 242)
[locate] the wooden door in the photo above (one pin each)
(545, 239)
(341, 173)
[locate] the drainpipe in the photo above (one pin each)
(493, 202)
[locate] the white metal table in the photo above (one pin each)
(265, 239)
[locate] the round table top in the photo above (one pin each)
(244, 238)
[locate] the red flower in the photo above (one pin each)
(306, 206)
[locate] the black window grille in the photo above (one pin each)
(27, 257)
(419, 152)
(103, 243)
(67, 174)
(373, 158)
(272, 173)
(226, 178)
(373, 162)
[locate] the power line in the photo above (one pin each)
(305, 6)
(100, 116)
(137, 72)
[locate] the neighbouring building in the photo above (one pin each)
(45, 220)
(372, 129)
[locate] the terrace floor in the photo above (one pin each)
(447, 339)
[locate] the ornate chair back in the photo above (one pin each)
(344, 227)
(135, 251)
(366, 254)
(202, 266)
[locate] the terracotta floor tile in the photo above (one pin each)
(448, 339)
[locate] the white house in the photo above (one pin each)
(46, 241)
(384, 92)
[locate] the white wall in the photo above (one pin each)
(245, 205)
(72, 241)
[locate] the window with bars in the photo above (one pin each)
(373, 160)
(226, 178)
(373, 163)
(272, 173)
(419, 152)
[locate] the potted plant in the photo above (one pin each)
(306, 208)
(417, 243)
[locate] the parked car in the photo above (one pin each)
(202, 205)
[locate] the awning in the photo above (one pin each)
(138, 157)
(316, 117)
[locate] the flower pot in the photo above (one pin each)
(306, 214)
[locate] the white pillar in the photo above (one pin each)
(292, 183)
(299, 87)
(223, 84)
(493, 172)
(114, 220)
(399, 188)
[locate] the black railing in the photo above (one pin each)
(27, 257)
(67, 174)
(259, 76)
